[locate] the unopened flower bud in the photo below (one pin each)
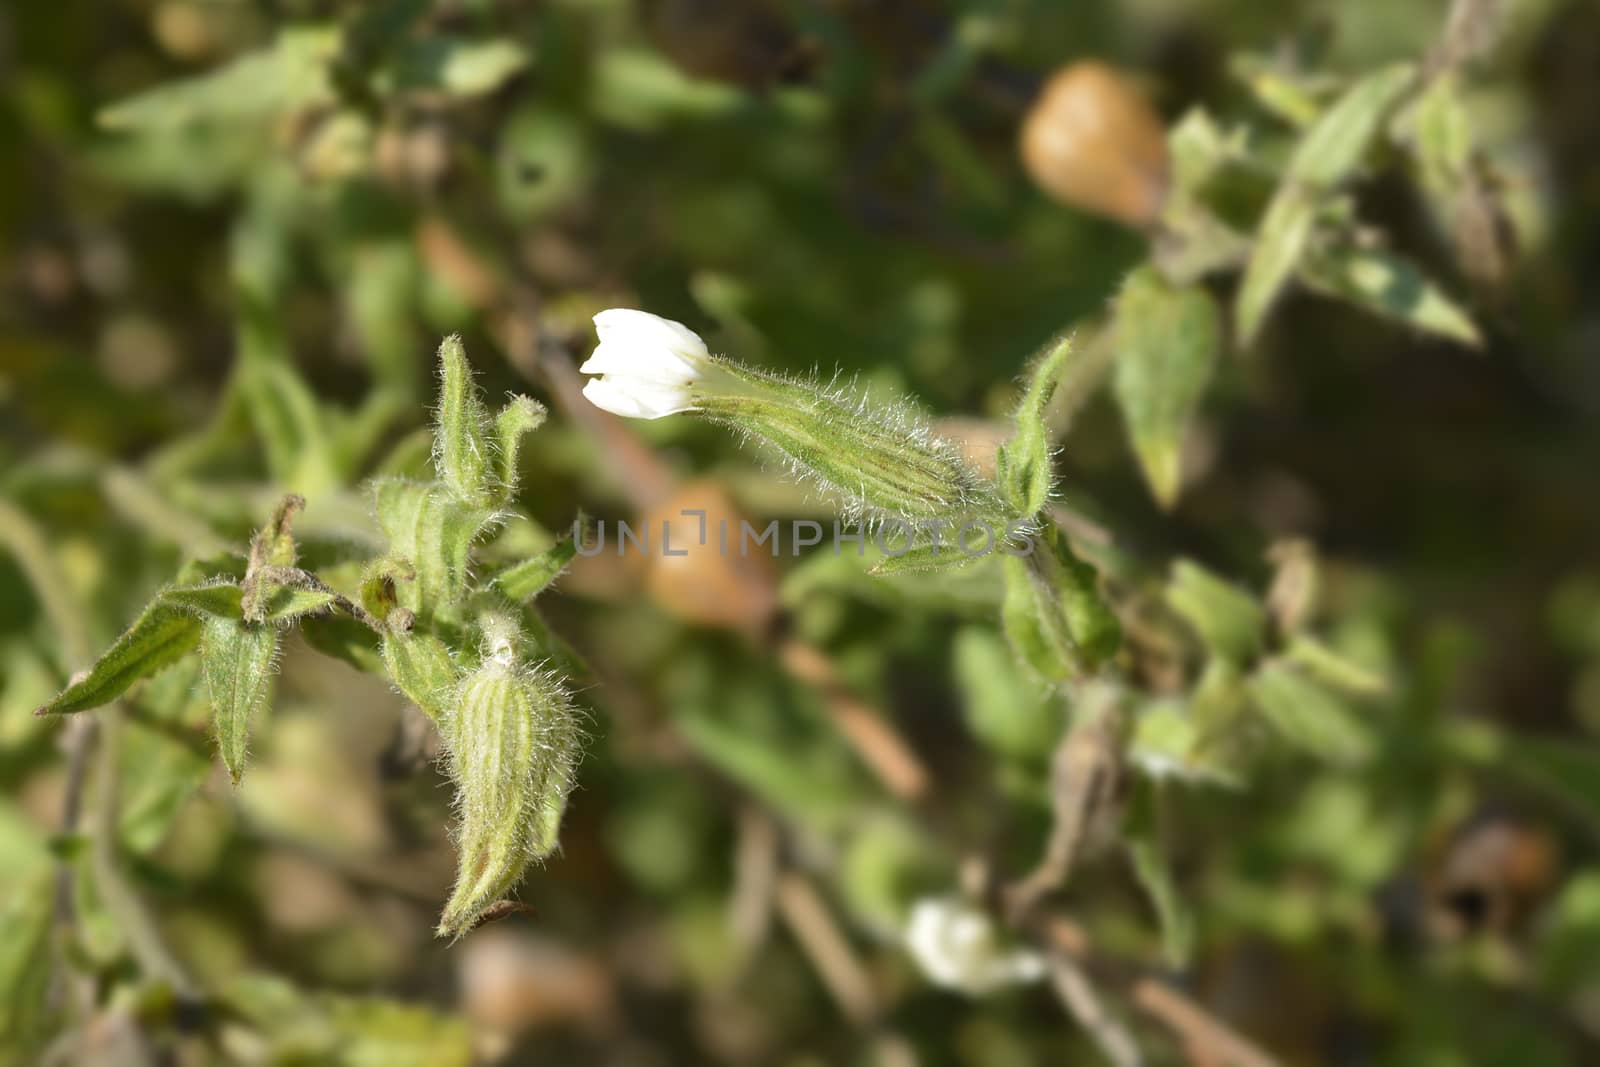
(512, 745)
(883, 461)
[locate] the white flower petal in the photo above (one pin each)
(648, 364)
(630, 328)
(635, 400)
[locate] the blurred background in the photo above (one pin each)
(232, 233)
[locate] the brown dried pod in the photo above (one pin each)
(719, 579)
(1092, 141)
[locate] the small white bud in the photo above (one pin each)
(958, 947)
(646, 364)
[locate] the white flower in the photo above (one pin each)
(958, 947)
(646, 364)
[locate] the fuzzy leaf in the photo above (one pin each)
(943, 556)
(1230, 622)
(162, 634)
(521, 416)
(1024, 461)
(432, 529)
(285, 603)
(461, 439)
(419, 663)
(1054, 614)
(236, 658)
(1307, 716)
(1168, 340)
(223, 600)
(526, 580)
(1389, 285)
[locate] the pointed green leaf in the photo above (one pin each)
(1054, 614)
(1328, 154)
(922, 558)
(286, 603)
(1329, 667)
(1307, 716)
(526, 580)
(461, 440)
(1281, 241)
(221, 599)
(1168, 340)
(1020, 615)
(1024, 461)
(1230, 621)
(521, 416)
(282, 409)
(1153, 870)
(236, 658)
(1390, 285)
(419, 663)
(1335, 146)
(162, 634)
(291, 73)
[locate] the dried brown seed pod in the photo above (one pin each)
(725, 581)
(1092, 141)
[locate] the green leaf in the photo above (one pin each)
(1154, 873)
(282, 408)
(161, 635)
(1335, 146)
(1024, 461)
(526, 580)
(461, 439)
(433, 530)
(1168, 340)
(455, 67)
(1329, 667)
(922, 558)
(1054, 614)
(236, 658)
(1307, 716)
(1328, 154)
(291, 73)
(1020, 616)
(521, 416)
(220, 599)
(1005, 710)
(286, 603)
(1284, 234)
(345, 639)
(1389, 285)
(420, 664)
(26, 1019)
(1230, 621)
